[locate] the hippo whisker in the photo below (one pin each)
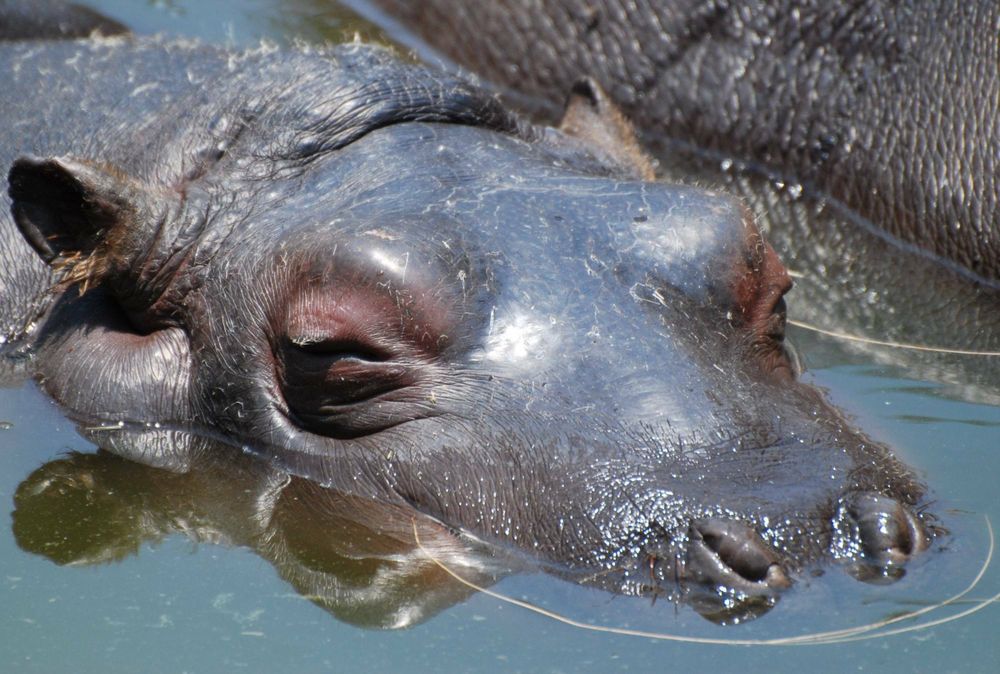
(875, 630)
(891, 344)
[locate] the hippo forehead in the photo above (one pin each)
(423, 203)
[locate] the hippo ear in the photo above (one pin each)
(65, 207)
(591, 116)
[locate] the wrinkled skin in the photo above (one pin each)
(380, 279)
(888, 107)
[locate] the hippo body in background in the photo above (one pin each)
(379, 278)
(890, 108)
(52, 19)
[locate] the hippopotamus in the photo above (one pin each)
(886, 107)
(381, 280)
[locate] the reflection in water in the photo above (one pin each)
(323, 21)
(355, 558)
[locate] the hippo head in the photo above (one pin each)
(379, 278)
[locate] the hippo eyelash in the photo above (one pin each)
(339, 349)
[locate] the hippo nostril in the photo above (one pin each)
(886, 529)
(883, 534)
(732, 554)
(736, 552)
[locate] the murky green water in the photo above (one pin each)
(171, 605)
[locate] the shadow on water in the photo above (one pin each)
(178, 611)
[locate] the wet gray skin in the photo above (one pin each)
(377, 277)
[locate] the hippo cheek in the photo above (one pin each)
(103, 369)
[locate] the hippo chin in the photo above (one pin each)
(378, 278)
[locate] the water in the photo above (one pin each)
(193, 593)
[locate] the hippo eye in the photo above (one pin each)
(338, 349)
(341, 387)
(354, 356)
